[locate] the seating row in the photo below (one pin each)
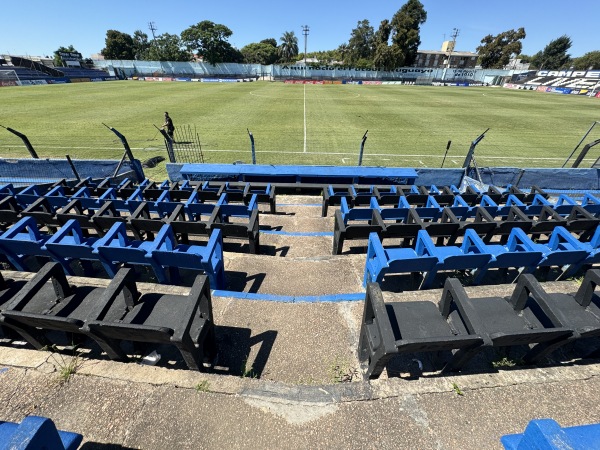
(34, 433)
(421, 195)
(463, 206)
(109, 316)
(142, 218)
(163, 254)
(474, 255)
(464, 326)
(446, 223)
(154, 191)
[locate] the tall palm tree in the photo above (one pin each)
(289, 46)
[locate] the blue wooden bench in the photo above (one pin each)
(34, 433)
(547, 434)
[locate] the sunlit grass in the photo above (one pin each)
(297, 124)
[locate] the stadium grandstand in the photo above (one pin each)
(17, 70)
(576, 82)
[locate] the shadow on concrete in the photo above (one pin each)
(235, 345)
(99, 446)
(238, 281)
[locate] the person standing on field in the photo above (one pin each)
(169, 126)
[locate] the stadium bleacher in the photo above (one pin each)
(29, 71)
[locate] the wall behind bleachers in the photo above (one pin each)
(199, 70)
(584, 179)
(28, 171)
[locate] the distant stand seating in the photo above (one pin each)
(82, 72)
(28, 70)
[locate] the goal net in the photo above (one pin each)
(9, 78)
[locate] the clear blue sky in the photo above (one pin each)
(39, 27)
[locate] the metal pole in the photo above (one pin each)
(30, 148)
(73, 168)
(168, 144)
(362, 148)
(138, 172)
(252, 145)
(447, 148)
(580, 142)
(305, 31)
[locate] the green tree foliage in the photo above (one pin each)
(209, 40)
(554, 56)
(360, 45)
(270, 41)
(384, 57)
(326, 56)
(260, 53)
(288, 50)
(496, 51)
(167, 47)
(140, 44)
(406, 26)
(58, 62)
(118, 45)
(589, 61)
(343, 52)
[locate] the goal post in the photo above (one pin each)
(9, 78)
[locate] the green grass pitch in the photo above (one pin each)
(409, 126)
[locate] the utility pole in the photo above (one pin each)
(152, 27)
(454, 35)
(305, 31)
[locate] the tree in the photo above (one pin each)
(270, 41)
(167, 47)
(360, 45)
(140, 44)
(589, 61)
(384, 56)
(58, 62)
(406, 26)
(209, 40)
(496, 51)
(118, 46)
(288, 49)
(343, 52)
(260, 53)
(554, 56)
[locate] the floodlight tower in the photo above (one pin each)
(305, 31)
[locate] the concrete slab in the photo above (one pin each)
(478, 418)
(296, 223)
(203, 420)
(102, 410)
(22, 391)
(294, 276)
(299, 343)
(285, 246)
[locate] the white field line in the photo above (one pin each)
(304, 119)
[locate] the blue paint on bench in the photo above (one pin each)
(36, 433)
(295, 174)
(547, 434)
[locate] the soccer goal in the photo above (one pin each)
(9, 78)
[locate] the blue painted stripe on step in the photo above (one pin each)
(298, 233)
(299, 204)
(333, 298)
